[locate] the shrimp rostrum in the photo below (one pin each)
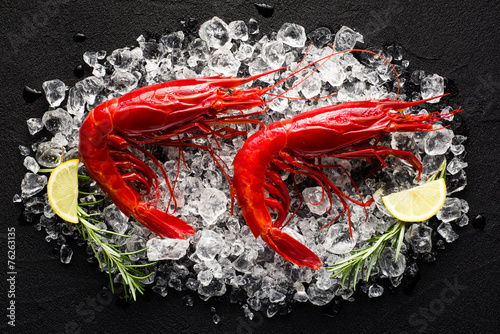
(166, 114)
(343, 131)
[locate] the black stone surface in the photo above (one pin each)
(458, 293)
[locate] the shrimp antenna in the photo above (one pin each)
(326, 58)
(295, 71)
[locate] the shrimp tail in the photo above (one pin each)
(161, 222)
(290, 249)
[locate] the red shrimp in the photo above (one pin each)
(158, 114)
(341, 131)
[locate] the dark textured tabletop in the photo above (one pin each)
(459, 293)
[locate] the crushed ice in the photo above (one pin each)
(223, 256)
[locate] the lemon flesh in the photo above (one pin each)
(62, 190)
(417, 204)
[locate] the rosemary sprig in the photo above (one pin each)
(352, 267)
(116, 261)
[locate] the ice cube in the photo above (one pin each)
(246, 310)
(292, 34)
(319, 297)
(419, 237)
(388, 266)
(24, 150)
(320, 37)
(35, 125)
(457, 149)
(192, 186)
(237, 247)
(238, 30)
(58, 120)
(115, 218)
(134, 244)
(465, 206)
(161, 287)
(417, 76)
(31, 164)
(76, 103)
(65, 254)
(432, 85)
(259, 66)
(123, 82)
(122, 59)
(205, 277)
(446, 231)
(273, 54)
(213, 203)
(338, 239)
(166, 249)
(48, 211)
(59, 139)
(311, 87)
(316, 199)
(396, 281)
(151, 50)
(438, 142)
(346, 38)
(173, 41)
(451, 210)
(90, 57)
(332, 72)
(245, 261)
(455, 165)
(215, 32)
(324, 281)
(279, 104)
(55, 91)
(462, 221)
(404, 142)
(48, 154)
(32, 184)
(245, 51)
(209, 245)
(223, 62)
(89, 88)
(35, 204)
(375, 290)
(431, 163)
(17, 198)
(198, 50)
(300, 296)
(276, 296)
(214, 289)
(457, 182)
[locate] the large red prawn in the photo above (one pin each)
(342, 131)
(166, 114)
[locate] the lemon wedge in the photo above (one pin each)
(417, 204)
(62, 190)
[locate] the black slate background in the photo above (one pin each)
(456, 39)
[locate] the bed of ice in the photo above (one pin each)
(223, 257)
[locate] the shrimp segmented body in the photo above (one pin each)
(166, 114)
(342, 131)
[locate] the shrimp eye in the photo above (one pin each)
(230, 91)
